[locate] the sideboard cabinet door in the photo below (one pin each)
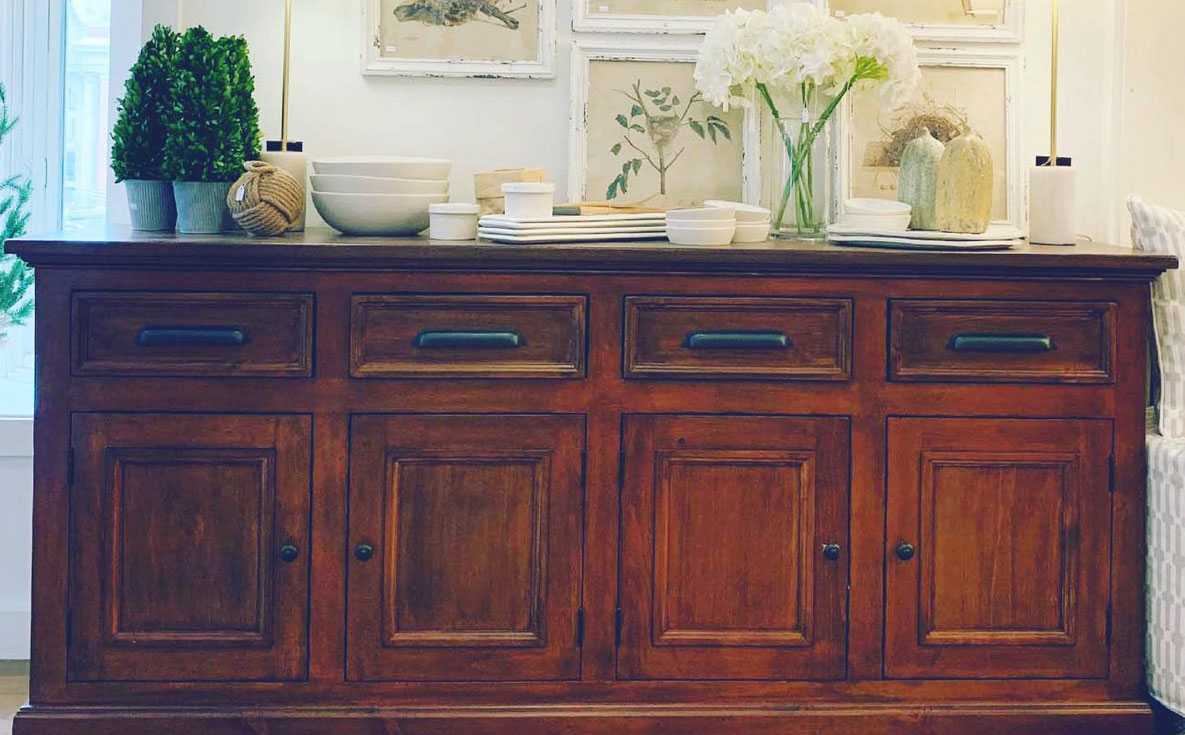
(998, 548)
(735, 548)
(189, 547)
(465, 543)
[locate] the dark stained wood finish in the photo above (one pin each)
(384, 331)
(277, 332)
(177, 527)
(817, 333)
(1012, 529)
(1078, 693)
(475, 525)
(724, 521)
(1081, 336)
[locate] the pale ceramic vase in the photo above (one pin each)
(964, 199)
(918, 180)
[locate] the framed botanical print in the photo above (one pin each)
(459, 38)
(947, 20)
(659, 16)
(641, 135)
(959, 90)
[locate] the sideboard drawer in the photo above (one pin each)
(734, 337)
(1003, 341)
(467, 336)
(192, 334)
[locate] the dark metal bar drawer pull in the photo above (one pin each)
(1000, 343)
(473, 340)
(189, 336)
(738, 341)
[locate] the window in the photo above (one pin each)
(61, 141)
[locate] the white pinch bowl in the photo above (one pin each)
(387, 167)
(341, 184)
(752, 232)
(877, 214)
(745, 213)
(697, 215)
(718, 235)
(375, 214)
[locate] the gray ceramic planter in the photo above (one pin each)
(201, 206)
(152, 205)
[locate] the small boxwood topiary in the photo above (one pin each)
(141, 129)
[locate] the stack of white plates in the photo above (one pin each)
(572, 228)
(378, 195)
(997, 237)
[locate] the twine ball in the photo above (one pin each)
(266, 200)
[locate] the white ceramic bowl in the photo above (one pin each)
(888, 222)
(338, 184)
(718, 235)
(752, 232)
(868, 205)
(387, 167)
(375, 214)
(453, 221)
(744, 212)
(701, 214)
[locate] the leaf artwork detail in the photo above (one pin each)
(658, 116)
(456, 12)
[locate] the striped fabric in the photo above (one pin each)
(1166, 571)
(1160, 230)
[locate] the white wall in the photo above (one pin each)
(16, 513)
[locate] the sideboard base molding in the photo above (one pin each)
(1104, 718)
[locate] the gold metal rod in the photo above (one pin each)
(1053, 91)
(287, 59)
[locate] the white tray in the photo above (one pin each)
(908, 243)
(496, 236)
(995, 232)
(568, 222)
(648, 230)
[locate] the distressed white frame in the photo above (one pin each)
(375, 63)
(583, 20)
(1011, 30)
(661, 49)
(977, 58)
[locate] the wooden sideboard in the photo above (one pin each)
(330, 485)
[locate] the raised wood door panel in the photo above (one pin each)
(988, 341)
(734, 558)
(738, 337)
(187, 334)
(467, 336)
(189, 548)
(466, 535)
(1009, 521)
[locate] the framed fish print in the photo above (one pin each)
(947, 20)
(641, 135)
(659, 16)
(960, 90)
(459, 38)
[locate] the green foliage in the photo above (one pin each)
(141, 130)
(214, 123)
(16, 278)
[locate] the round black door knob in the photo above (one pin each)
(289, 553)
(363, 552)
(905, 551)
(831, 552)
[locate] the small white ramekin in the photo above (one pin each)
(528, 200)
(453, 221)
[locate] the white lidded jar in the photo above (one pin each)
(453, 221)
(529, 200)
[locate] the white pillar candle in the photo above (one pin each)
(296, 164)
(1052, 206)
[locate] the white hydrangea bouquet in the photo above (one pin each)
(800, 54)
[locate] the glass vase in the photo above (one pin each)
(802, 207)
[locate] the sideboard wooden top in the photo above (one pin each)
(324, 249)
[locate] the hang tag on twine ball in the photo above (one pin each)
(241, 194)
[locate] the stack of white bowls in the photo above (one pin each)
(378, 195)
(753, 222)
(718, 223)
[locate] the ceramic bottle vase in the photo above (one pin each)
(918, 181)
(964, 199)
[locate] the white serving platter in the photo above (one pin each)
(996, 233)
(494, 236)
(569, 222)
(657, 230)
(909, 243)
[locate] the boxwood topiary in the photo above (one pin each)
(141, 131)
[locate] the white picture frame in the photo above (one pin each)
(375, 62)
(981, 57)
(1009, 30)
(585, 21)
(660, 49)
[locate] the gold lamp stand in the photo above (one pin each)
(284, 153)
